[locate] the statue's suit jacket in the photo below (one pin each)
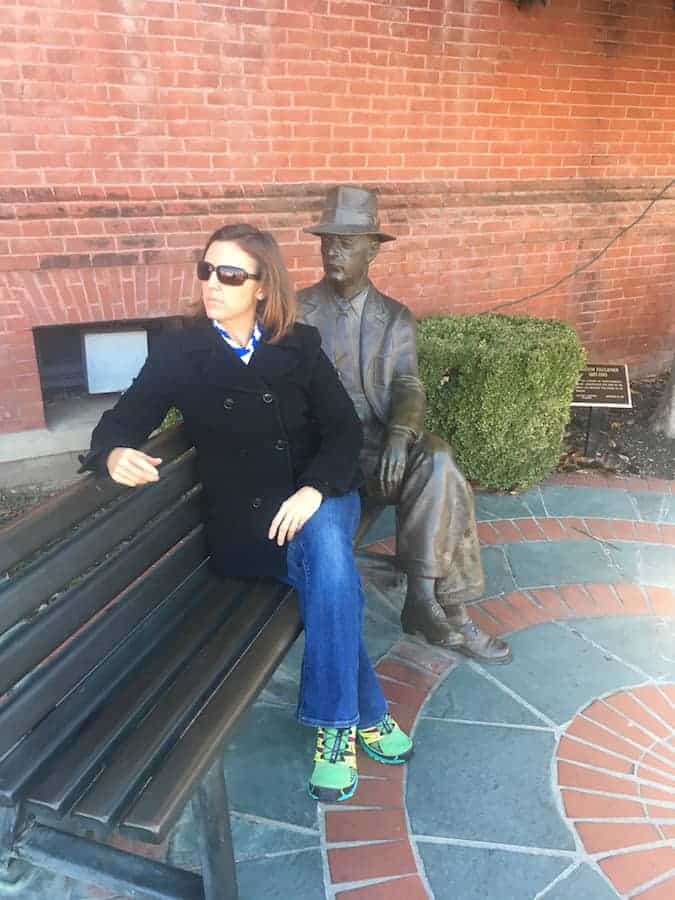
(435, 523)
(388, 355)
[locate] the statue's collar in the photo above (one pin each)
(353, 304)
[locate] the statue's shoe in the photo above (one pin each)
(429, 620)
(479, 645)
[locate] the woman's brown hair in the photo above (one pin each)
(277, 309)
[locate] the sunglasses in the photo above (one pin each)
(228, 275)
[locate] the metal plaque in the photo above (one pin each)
(601, 385)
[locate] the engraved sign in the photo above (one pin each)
(601, 385)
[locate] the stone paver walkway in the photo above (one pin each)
(553, 777)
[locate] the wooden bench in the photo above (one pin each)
(123, 665)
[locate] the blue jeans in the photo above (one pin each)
(338, 685)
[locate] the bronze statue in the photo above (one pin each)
(371, 340)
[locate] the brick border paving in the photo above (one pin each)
(616, 776)
(384, 857)
(616, 482)
(367, 839)
(525, 529)
(575, 528)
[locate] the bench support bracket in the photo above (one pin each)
(94, 863)
(215, 838)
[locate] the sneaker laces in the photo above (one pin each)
(333, 745)
(386, 726)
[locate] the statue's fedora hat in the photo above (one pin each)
(350, 210)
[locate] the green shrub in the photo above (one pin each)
(499, 390)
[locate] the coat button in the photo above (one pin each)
(228, 403)
(267, 398)
(280, 445)
(257, 503)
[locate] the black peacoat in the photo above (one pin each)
(261, 431)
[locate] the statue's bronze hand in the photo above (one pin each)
(393, 463)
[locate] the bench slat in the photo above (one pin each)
(40, 695)
(63, 723)
(68, 559)
(136, 759)
(165, 796)
(36, 640)
(40, 526)
(68, 775)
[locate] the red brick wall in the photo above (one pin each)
(508, 147)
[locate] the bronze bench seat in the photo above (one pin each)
(124, 663)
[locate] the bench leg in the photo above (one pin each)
(10, 869)
(215, 837)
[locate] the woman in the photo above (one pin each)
(278, 441)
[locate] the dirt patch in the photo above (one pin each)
(14, 501)
(619, 440)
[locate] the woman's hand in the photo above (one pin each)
(132, 467)
(293, 513)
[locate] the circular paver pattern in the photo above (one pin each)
(616, 771)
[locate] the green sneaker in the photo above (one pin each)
(334, 777)
(386, 742)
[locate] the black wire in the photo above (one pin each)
(585, 265)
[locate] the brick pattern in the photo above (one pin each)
(608, 758)
(373, 822)
(630, 735)
(520, 609)
(572, 528)
(508, 148)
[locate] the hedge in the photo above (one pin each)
(499, 390)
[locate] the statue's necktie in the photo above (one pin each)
(342, 337)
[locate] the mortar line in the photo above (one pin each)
(556, 881)
(493, 845)
(645, 728)
(644, 675)
(631, 848)
(262, 820)
(610, 795)
(454, 721)
(620, 775)
(479, 670)
(660, 879)
(618, 755)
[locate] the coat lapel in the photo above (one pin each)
(213, 362)
(316, 306)
(373, 327)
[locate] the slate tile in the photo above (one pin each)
(582, 884)
(250, 840)
(467, 695)
(508, 506)
(298, 876)
(600, 503)
(650, 505)
(645, 642)
(543, 564)
(269, 784)
(498, 578)
(465, 873)
(499, 789)
(558, 672)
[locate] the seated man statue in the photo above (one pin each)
(371, 341)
